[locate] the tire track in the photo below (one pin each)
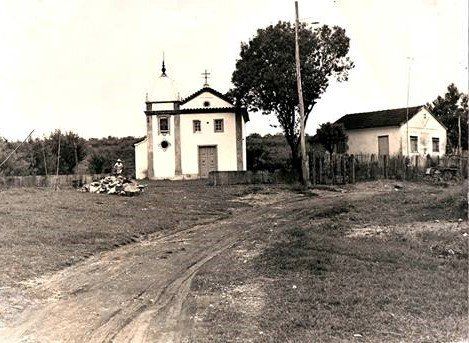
(132, 294)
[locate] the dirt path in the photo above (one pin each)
(135, 293)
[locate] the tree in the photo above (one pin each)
(265, 78)
(448, 109)
(72, 151)
(332, 137)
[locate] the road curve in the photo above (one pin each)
(134, 293)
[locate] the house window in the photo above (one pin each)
(196, 125)
(164, 124)
(414, 143)
(436, 144)
(218, 125)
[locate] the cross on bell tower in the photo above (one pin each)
(206, 76)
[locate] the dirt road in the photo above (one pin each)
(136, 292)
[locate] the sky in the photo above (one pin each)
(85, 66)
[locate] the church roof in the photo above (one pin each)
(209, 90)
(364, 120)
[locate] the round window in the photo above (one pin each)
(164, 144)
(206, 103)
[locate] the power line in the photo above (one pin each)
(11, 153)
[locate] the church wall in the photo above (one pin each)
(141, 159)
(164, 160)
(198, 102)
(162, 106)
(225, 141)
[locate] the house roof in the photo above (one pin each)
(209, 90)
(393, 117)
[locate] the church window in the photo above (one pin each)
(196, 125)
(164, 125)
(218, 125)
(164, 145)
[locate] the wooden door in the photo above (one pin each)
(383, 145)
(207, 160)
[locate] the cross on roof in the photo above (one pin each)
(206, 76)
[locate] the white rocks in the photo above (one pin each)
(119, 185)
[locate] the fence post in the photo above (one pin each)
(320, 168)
(343, 161)
(313, 169)
(352, 168)
(385, 166)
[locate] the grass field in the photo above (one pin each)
(370, 264)
(391, 267)
(43, 230)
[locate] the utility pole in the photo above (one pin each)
(407, 111)
(58, 163)
(459, 134)
(301, 107)
(44, 157)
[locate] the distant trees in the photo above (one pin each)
(73, 149)
(270, 152)
(332, 137)
(19, 161)
(265, 77)
(39, 156)
(450, 109)
(105, 152)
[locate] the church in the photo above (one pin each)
(187, 138)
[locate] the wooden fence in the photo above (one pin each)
(341, 169)
(48, 181)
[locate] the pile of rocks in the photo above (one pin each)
(119, 185)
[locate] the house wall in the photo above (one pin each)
(141, 159)
(365, 141)
(425, 127)
(225, 141)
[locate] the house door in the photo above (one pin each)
(207, 160)
(383, 145)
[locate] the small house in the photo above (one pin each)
(409, 131)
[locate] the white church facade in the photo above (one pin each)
(188, 138)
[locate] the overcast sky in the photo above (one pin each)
(86, 65)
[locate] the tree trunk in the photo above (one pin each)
(296, 160)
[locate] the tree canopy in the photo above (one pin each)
(265, 76)
(447, 109)
(332, 137)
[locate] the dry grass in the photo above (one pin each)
(42, 230)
